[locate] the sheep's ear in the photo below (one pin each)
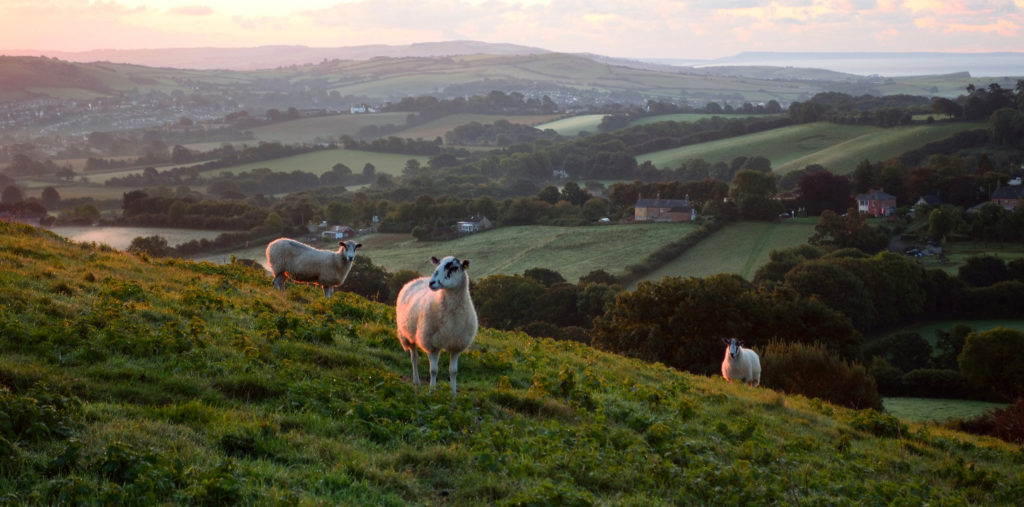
(465, 264)
(435, 261)
(358, 245)
(341, 243)
(725, 341)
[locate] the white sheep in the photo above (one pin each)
(302, 263)
(741, 363)
(436, 314)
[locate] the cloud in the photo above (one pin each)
(191, 10)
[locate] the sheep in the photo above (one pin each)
(302, 263)
(741, 363)
(436, 314)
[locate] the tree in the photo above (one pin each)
(992, 359)
(850, 231)
(50, 197)
(549, 194)
(155, 246)
(983, 270)
(273, 222)
(822, 190)
(545, 276)
(752, 192)
(12, 194)
(505, 301)
(944, 106)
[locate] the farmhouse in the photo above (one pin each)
(1007, 196)
(473, 224)
(876, 203)
(664, 210)
(338, 232)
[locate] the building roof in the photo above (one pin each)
(875, 195)
(1009, 192)
(930, 199)
(663, 203)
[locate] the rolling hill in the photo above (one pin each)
(132, 380)
(839, 148)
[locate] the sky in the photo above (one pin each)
(701, 29)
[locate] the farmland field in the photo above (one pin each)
(693, 117)
(440, 126)
(956, 254)
(739, 248)
(936, 409)
(838, 148)
(927, 329)
(573, 125)
(319, 162)
(571, 251)
(307, 130)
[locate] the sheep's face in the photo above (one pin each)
(348, 249)
(450, 273)
(734, 347)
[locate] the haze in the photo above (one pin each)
(637, 29)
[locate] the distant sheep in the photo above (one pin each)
(741, 363)
(436, 314)
(302, 263)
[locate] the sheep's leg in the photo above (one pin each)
(415, 372)
(433, 367)
(328, 290)
(279, 280)
(453, 369)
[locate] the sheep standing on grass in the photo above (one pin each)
(302, 263)
(741, 363)
(436, 314)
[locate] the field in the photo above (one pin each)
(936, 409)
(307, 130)
(927, 329)
(440, 126)
(573, 125)
(956, 254)
(319, 162)
(839, 148)
(571, 251)
(137, 381)
(739, 248)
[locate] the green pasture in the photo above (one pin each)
(130, 380)
(691, 117)
(319, 162)
(739, 248)
(307, 130)
(441, 126)
(956, 254)
(838, 148)
(573, 125)
(936, 409)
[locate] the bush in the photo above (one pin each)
(814, 371)
(992, 359)
(1003, 423)
(935, 383)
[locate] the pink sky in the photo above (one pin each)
(636, 28)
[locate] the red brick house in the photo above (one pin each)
(1007, 196)
(876, 203)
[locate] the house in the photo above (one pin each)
(930, 199)
(876, 203)
(1007, 196)
(473, 224)
(338, 232)
(664, 210)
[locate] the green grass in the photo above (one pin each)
(937, 410)
(573, 125)
(307, 130)
(958, 252)
(137, 381)
(319, 162)
(927, 329)
(739, 248)
(441, 126)
(838, 148)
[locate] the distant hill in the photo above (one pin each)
(269, 57)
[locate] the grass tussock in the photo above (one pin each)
(172, 382)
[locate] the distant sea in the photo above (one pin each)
(882, 64)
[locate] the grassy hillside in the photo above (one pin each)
(130, 380)
(739, 248)
(441, 126)
(573, 125)
(306, 130)
(838, 148)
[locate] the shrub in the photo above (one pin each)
(1003, 423)
(814, 371)
(992, 359)
(934, 383)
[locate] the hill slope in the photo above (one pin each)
(131, 380)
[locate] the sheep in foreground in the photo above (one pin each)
(741, 363)
(436, 314)
(302, 263)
